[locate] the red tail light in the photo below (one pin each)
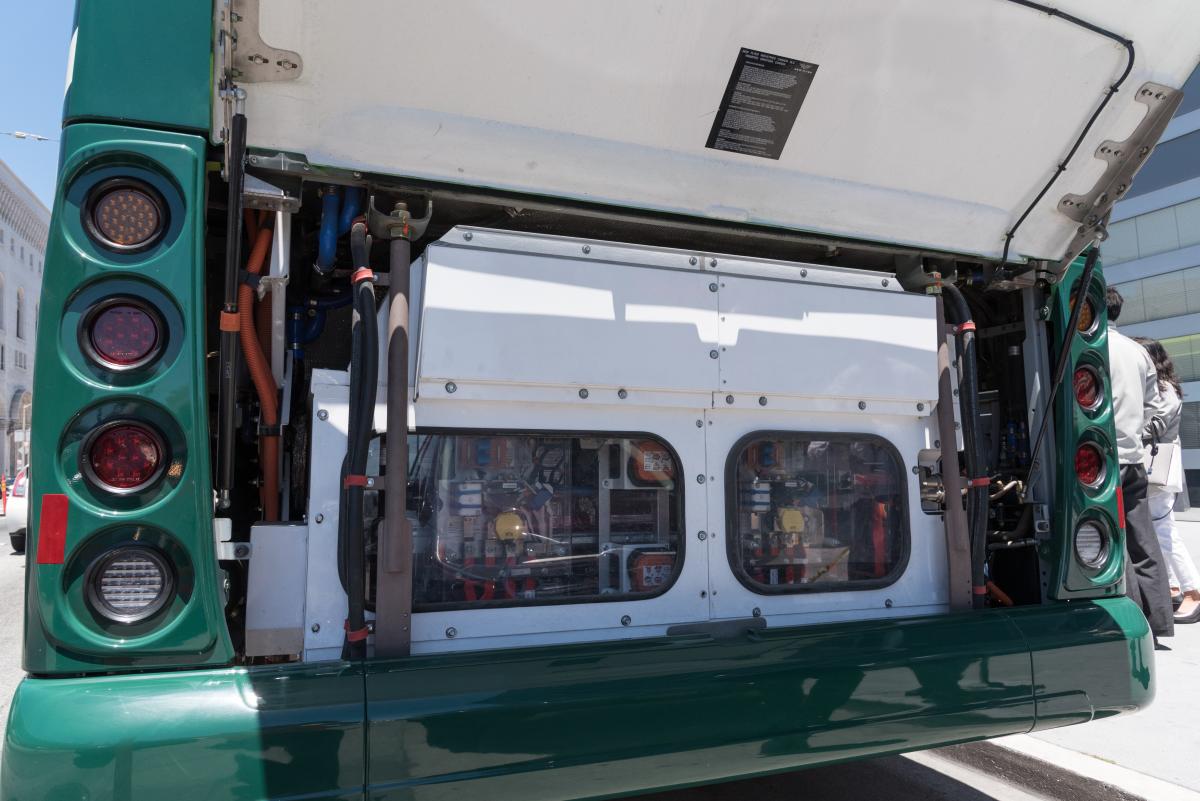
(1087, 387)
(123, 457)
(123, 334)
(1089, 465)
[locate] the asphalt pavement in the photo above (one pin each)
(1148, 756)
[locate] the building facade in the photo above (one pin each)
(1152, 256)
(24, 223)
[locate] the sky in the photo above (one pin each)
(33, 70)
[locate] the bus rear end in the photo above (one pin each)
(562, 402)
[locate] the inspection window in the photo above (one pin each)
(521, 519)
(815, 512)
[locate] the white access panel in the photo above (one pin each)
(920, 589)
(822, 344)
(491, 316)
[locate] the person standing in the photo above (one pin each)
(1162, 493)
(1139, 412)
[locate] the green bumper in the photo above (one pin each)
(576, 721)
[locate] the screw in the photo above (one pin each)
(451, 632)
(451, 387)
(712, 287)
(622, 394)
(762, 400)
(254, 159)
(316, 627)
(700, 479)
(712, 263)
(916, 469)
(468, 236)
(803, 273)
(241, 551)
(699, 424)
(712, 354)
(729, 399)
(583, 393)
(287, 65)
(885, 282)
(320, 518)
(862, 404)
(757, 612)
(626, 620)
(920, 407)
(322, 414)
(888, 603)
(587, 249)
(702, 536)
(692, 260)
(703, 593)
(257, 59)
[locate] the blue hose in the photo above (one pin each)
(327, 239)
(350, 209)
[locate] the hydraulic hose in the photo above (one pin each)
(364, 380)
(264, 381)
(977, 479)
(328, 235)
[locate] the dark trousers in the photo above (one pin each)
(1145, 569)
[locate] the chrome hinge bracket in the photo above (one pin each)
(254, 61)
(1124, 159)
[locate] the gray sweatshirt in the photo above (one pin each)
(1139, 408)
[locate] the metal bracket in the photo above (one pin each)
(258, 194)
(399, 224)
(254, 61)
(227, 550)
(1124, 160)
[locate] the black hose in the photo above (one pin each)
(364, 379)
(968, 397)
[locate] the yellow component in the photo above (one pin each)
(791, 521)
(509, 526)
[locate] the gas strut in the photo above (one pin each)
(229, 320)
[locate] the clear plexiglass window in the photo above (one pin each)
(817, 512)
(518, 519)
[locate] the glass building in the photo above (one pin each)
(1153, 257)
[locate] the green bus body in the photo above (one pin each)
(164, 714)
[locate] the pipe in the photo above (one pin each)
(264, 382)
(328, 235)
(393, 633)
(364, 380)
(227, 360)
(351, 207)
(977, 480)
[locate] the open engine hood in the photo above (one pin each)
(923, 123)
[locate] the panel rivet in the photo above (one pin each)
(885, 282)
(320, 518)
(468, 236)
(712, 354)
(762, 400)
(451, 387)
(729, 399)
(712, 287)
(699, 424)
(803, 273)
(862, 404)
(587, 248)
(888, 603)
(700, 479)
(920, 407)
(451, 632)
(757, 612)
(712, 263)
(626, 620)
(322, 414)
(622, 394)
(316, 627)
(583, 393)
(692, 260)
(702, 535)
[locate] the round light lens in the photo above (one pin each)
(126, 215)
(1087, 388)
(130, 584)
(124, 457)
(1087, 316)
(1091, 544)
(1089, 465)
(123, 334)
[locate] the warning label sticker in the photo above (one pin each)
(760, 105)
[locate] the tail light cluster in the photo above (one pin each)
(124, 334)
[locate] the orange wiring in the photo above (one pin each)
(260, 373)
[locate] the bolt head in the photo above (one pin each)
(803, 273)
(756, 612)
(316, 627)
(762, 400)
(712, 354)
(626, 620)
(729, 399)
(862, 404)
(885, 282)
(320, 518)
(692, 260)
(712, 262)
(587, 248)
(322, 414)
(712, 287)
(699, 424)
(622, 394)
(451, 632)
(920, 407)
(702, 536)
(451, 387)
(700, 479)
(583, 393)
(888, 603)
(467, 235)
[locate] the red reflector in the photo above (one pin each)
(1087, 388)
(1089, 465)
(52, 530)
(1121, 508)
(124, 334)
(124, 456)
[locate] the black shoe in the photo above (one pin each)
(1158, 646)
(1176, 600)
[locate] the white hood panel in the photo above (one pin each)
(928, 122)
